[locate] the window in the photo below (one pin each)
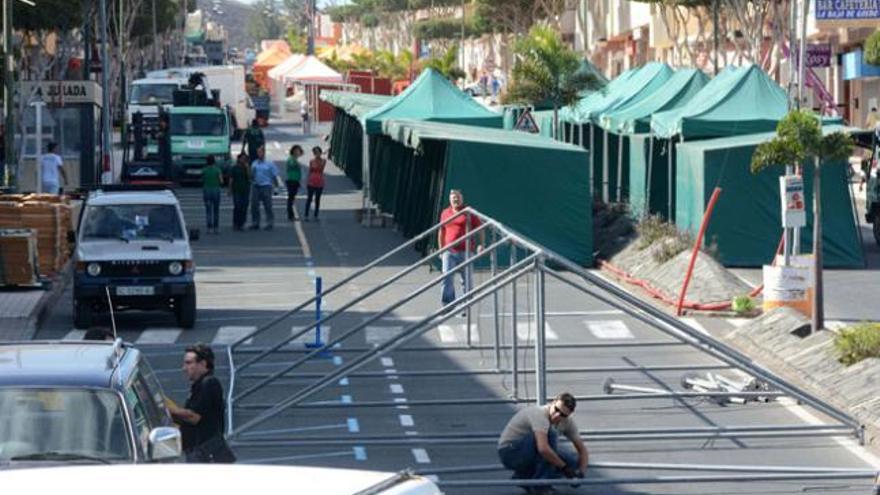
(140, 418)
(152, 94)
(85, 422)
(132, 222)
(151, 391)
(198, 125)
(61, 125)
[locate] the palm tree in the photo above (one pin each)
(546, 70)
(799, 138)
(447, 64)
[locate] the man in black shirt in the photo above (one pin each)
(201, 418)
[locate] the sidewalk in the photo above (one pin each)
(21, 310)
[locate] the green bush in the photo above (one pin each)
(671, 246)
(858, 342)
(872, 48)
(652, 229)
(742, 305)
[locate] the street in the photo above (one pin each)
(372, 418)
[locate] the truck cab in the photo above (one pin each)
(147, 96)
(196, 133)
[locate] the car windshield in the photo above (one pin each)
(58, 424)
(132, 222)
(151, 94)
(198, 125)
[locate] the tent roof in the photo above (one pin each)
(411, 133)
(636, 116)
(737, 101)
(587, 67)
(629, 86)
(313, 70)
(753, 139)
(289, 63)
(356, 104)
(271, 57)
(433, 97)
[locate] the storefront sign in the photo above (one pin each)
(849, 12)
(793, 202)
(819, 55)
(60, 93)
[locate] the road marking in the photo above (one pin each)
(228, 334)
(411, 433)
(738, 322)
(396, 388)
(405, 419)
(526, 331)
(75, 335)
(353, 426)
(380, 335)
(402, 401)
(421, 456)
(309, 337)
(345, 399)
(343, 382)
(523, 314)
(158, 336)
(360, 453)
(452, 334)
(609, 329)
(337, 360)
(387, 362)
(303, 241)
(693, 323)
(268, 460)
(276, 145)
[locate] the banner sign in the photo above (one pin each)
(848, 10)
(819, 55)
(793, 202)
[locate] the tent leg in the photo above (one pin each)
(647, 207)
(619, 168)
(671, 177)
(365, 178)
(581, 127)
(590, 164)
(606, 195)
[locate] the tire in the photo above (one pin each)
(185, 310)
(82, 315)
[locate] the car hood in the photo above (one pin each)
(10, 465)
(152, 249)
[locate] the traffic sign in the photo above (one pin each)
(526, 123)
(793, 207)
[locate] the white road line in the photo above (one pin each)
(411, 433)
(337, 360)
(360, 453)
(353, 426)
(609, 329)
(269, 460)
(309, 337)
(158, 336)
(303, 240)
(396, 388)
(379, 335)
(75, 335)
(229, 334)
(693, 323)
(405, 419)
(421, 456)
(453, 334)
(738, 322)
(387, 362)
(402, 401)
(526, 331)
(343, 382)
(345, 399)
(276, 145)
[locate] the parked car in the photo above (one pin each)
(86, 402)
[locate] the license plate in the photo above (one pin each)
(195, 144)
(152, 149)
(194, 171)
(135, 290)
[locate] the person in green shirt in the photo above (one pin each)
(212, 179)
(293, 178)
(253, 139)
(240, 189)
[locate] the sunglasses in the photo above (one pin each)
(559, 411)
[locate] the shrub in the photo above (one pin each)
(652, 229)
(858, 342)
(872, 48)
(671, 246)
(742, 305)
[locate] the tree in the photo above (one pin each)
(266, 20)
(799, 138)
(447, 64)
(872, 48)
(546, 70)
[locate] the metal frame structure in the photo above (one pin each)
(531, 262)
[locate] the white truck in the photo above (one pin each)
(229, 79)
(147, 95)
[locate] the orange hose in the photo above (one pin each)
(699, 240)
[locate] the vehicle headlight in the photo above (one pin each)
(93, 269)
(175, 268)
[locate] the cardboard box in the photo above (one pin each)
(18, 257)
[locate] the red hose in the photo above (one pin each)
(699, 240)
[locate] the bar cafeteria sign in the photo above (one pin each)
(848, 12)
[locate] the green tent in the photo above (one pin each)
(346, 137)
(746, 224)
(432, 97)
(635, 116)
(649, 178)
(737, 101)
(532, 184)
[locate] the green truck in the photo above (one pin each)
(198, 132)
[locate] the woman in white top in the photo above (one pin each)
(51, 167)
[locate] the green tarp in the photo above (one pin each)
(354, 104)
(745, 223)
(432, 97)
(346, 137)
(635, 117)
(580, 112)
(649, 195)
(738, 101)
(532, 184)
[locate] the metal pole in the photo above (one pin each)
(365, 175)
(38, 111)
(606, 195)
(802, 51)
(670, 177)
(155, 39)
(647, 211)
(659, 466)
(650, 480)
(619, 168)
(183, 34)
(467, 277)
(515, 342)
(590, 163)
(540, 350)
(493, 260)
(107, 144)
(792, 39)
(9, 91)
(715, 31)
(310, 43)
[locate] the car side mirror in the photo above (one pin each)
(165, 443)
(71, 237)
(194, 234)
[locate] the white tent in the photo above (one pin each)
(312, 70)
(290, 63)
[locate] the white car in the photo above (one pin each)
(216, 479)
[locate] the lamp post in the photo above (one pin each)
(310, 43)
(107, 141)
(9, 92)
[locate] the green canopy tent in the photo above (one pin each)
(346, 137)
(493, 168)
(746, 221)
(743, 100)
(634, 121)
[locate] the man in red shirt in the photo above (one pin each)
(456, 255)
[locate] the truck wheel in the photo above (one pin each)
(82, 315)
(876, 228)
(185, 310)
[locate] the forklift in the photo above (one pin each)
(146, 157)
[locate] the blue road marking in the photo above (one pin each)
(360, 453)
(353, 426)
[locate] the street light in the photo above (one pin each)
(8, 83)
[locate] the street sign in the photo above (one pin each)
(819, 55)
(526, 123)
(848, 13)
(794, 213)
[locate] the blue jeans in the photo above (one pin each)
(212, 207)
(262, 196)
(450, 261)
(527, 464)
(239, 211)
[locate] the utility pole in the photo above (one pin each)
(462, 34)
(183, 34)
(715, 31)
(155, 39)
(310, 42)
(802, 58)
(9, 93)
(107, 141)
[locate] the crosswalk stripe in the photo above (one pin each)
(525, 331)
(309, 337)
(609, 329)
(379, 335)
(452, 334)
(421, 456)
(75, 335)
(158, 336)
(228, 334)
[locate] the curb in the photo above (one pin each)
(26, 328)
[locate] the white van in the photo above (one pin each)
(216, 479)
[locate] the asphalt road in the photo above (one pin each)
(246, 279)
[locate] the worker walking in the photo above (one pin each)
(253, 140)
(528, 445)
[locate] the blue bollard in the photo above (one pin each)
(318, 341)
